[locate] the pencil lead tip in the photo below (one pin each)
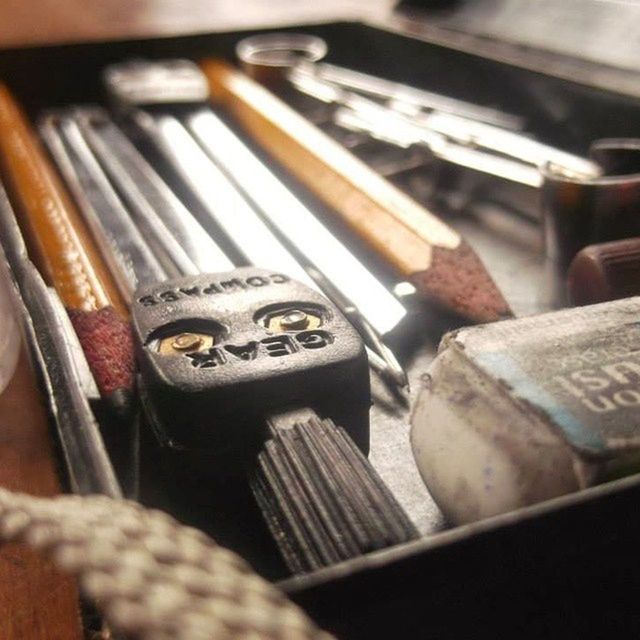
(458, 280)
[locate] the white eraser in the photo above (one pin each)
(520, 411)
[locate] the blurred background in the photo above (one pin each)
(48, 21)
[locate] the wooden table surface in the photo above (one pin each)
(36, 601)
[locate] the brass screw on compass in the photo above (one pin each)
(293, 320)
(184, 343)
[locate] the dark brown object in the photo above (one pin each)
(37, 602)
(606, 271)
(408, 237)
(578, 212)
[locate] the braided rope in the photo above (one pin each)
(151, 577)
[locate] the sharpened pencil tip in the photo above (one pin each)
(107, 343)
(459, 281)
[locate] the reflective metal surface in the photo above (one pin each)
(124, 248)
(156, 208)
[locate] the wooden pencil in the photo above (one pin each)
(62, 248)
(416, 243)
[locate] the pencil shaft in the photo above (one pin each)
(407, 236)
(67, 256)
(56, 235)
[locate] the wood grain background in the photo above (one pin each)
(36, 601)
(24, 22)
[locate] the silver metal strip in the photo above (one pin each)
(130, 260)
(296, 222)
(390, 90)
(155, 206)
(458, 139)
(219, 197)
